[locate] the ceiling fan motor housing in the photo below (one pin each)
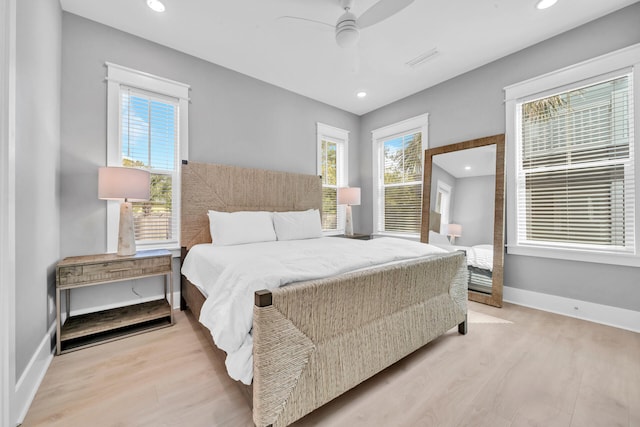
(347, 32)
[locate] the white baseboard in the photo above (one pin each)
(34, 373)
(598, 313)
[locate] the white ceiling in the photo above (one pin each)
(247, 36)
(480, 161)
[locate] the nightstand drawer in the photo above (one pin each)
(112, 270)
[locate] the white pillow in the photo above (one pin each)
(297, 225)
(439, 240)
(236, 228)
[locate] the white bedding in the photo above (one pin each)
(230, 275)
(480, 256)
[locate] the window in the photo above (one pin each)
(398, 162)
(332, 167)
(147, 128)
(573, 171)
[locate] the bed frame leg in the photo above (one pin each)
(462, 327)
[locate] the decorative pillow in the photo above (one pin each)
(439, 240)
(236, 228)
(297, 225)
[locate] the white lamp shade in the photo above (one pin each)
(349, 196)
(454, 230)
(116, 183)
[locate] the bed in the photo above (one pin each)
(479, 261)
(309, 338)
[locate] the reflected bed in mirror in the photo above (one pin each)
(463, 209)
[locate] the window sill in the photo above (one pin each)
(624, 259)
(414, 237)
(173, 248)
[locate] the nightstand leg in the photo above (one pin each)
(58, 320)
(170, 293)
(67, 294)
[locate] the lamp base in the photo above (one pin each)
(348, 226)
(126, 236)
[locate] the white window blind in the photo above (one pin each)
(149, 138)
(402, 184)
(329, 175)
(397, 177)
(332, 167)
(575, 173)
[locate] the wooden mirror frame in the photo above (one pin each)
(495, 299)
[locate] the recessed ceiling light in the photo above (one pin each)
(543, 4)
(467, 168)
(155, 5)
(361, 94)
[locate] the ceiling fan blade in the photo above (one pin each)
(381, 11)
(297, 19)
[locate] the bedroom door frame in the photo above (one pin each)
(7, 211)
(445, 206)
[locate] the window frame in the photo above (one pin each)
(379, 137)
(579, 75)
(117, 78)
(340, 137)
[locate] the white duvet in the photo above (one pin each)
(480, 256)
(229, 276)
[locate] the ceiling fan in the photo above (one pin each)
(347, 28)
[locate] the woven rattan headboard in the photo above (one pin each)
(230, 188)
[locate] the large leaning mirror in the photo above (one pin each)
(463, 209)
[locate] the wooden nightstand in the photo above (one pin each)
(107, 325)
(355, 236)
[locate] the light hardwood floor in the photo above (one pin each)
(540, 370)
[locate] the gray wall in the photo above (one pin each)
(471, 106)
(233, 119)
(37, 170)
(472, 207)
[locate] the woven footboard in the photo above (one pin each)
(318, 339)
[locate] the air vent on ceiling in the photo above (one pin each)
(421, 59)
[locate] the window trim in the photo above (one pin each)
(580, 74)
(378, 137)
(339, 137)
(118, 76)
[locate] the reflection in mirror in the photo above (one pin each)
(464, 199)
(463, 209)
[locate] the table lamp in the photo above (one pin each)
(349, 196)
(453, 231)
(129, 185)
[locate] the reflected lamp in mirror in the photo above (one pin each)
(128, 185)
(453, 231)
(349, 196)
